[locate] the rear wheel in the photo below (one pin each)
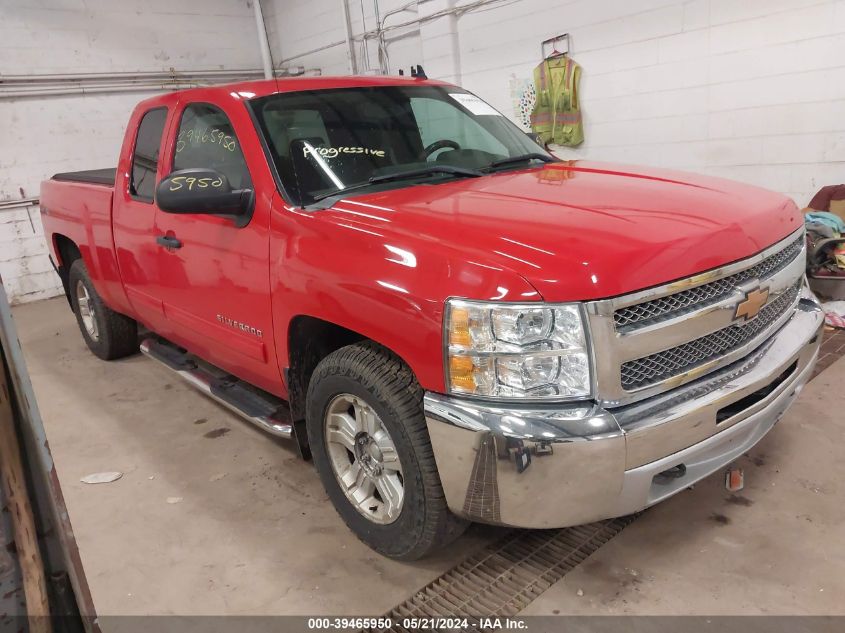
(107, 333)
(371, 448)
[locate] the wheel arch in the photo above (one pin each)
(67, 252)
(309, 340)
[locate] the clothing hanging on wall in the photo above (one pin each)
(557, 113)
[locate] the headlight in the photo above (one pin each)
(514, 351)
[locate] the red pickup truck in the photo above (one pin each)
(455, 324)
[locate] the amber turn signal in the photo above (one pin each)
(459, 327)
(462, 373)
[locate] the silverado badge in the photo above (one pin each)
(751, 304)
(243, 327)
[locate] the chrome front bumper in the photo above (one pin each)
(554, 466)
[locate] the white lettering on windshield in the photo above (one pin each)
(334, 152)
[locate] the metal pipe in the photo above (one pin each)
(365, 49)
(319, 49)
(125, 82)
(353, 65)
(163, 74)
(453, 12)
(349, 42)
(6, 205)
(84, 90)
(379, 52)
(379, 30)
(263, 42)
(46, 90)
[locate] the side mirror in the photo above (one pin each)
(205, 191)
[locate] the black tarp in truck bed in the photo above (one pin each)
(92, 176)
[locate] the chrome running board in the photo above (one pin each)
(262, 409)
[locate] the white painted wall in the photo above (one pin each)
(298, 26)
(748, 89)
(42, 136)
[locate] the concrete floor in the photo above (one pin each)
(212, 516)
(251, 530)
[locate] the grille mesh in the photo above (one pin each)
(685, 301)
(671, 362)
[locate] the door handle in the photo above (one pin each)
(168, 241)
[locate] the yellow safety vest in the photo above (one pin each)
(557, 113)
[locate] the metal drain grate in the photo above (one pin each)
(506, 576)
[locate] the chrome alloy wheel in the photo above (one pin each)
(364, 458)
(86, 311)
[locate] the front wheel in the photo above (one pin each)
(371, 448)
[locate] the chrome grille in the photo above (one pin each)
(680, 303)
(677, 360)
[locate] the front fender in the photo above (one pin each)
(386, 286)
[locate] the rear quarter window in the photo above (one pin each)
(145, 157)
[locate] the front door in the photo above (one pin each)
(215, 274)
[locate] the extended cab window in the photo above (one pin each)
(206, 139)
(145, 158)
(323, 142)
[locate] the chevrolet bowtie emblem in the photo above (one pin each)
(751, 304)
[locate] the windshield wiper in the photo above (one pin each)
(522, 158)
(432, 170)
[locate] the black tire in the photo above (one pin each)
(116, 334)
(373, 374)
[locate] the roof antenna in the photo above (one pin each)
(417, 72)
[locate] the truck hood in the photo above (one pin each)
(582, 230)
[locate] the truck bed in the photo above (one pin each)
(90, 176)
(76, 208)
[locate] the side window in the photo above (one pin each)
(145, 157)
(206, 139)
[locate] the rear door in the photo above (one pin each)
(215, 285)
(133, 214)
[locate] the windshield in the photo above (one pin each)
(326, 141)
